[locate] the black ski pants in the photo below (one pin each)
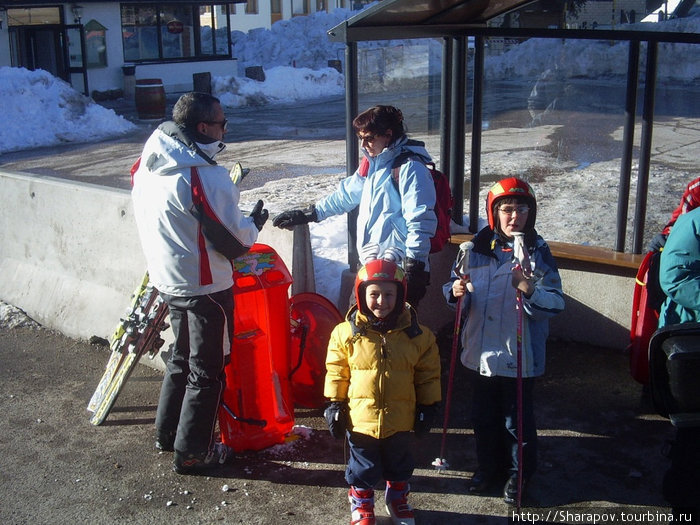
(194, 379)
(495, 419)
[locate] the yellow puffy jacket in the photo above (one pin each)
(383, 376)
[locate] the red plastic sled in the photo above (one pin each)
(313, 318)
(645, 320)
(257, 410)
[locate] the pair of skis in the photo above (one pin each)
(137, 334)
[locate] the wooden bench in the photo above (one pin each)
(585, 258)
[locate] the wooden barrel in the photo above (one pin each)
(149, 94)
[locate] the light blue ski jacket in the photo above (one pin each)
(679, 271)
(390, 214)
(490, 330)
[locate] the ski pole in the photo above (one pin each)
(462, 269)
(522, 260)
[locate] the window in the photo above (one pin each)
(300, 7)
(161, 31)
(251, 7)
(33, 16)
(95, 44)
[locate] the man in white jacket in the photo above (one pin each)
(190, 226)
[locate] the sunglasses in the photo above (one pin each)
(222, 123)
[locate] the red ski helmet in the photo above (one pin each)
(512, 187)
(380, 270)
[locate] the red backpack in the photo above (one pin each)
(443, 196)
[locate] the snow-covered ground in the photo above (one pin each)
(573, 206)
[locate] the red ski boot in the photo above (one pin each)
(361, 506)
(396, 497)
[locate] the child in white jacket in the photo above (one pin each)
(490, 333)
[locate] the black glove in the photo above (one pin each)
(658, 242)
(259, 215)
(291, 218)
(336, 414)
(417, 280)
(425, 416)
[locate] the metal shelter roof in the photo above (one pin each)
(397, 18)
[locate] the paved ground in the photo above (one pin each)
(600, 444)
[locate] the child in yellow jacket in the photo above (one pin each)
(383, 380)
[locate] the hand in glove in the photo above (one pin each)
(425, 415)
(417, 280)
(259, 215)
(291, 218)
(336, 414)
(658, 242)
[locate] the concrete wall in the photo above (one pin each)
(70, 256)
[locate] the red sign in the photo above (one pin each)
(175, 27)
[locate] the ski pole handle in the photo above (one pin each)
(462, 265)
(521, 255)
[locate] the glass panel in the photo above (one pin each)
(95, 48)
(30, 16)
(212, 31)
(140, 32)
(177, 31)
(75, 54)
(221, 25)
(207, 23)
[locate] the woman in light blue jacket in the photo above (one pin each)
(394, 191)
(490, 333)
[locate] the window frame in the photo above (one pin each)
(129, 12)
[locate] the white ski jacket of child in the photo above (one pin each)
(489, 332)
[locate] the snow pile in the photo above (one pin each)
(281, 84)
(599, 59)
(49, 111)
(12, 317)
(299, 42)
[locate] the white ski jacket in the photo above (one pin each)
(490, 331)
(187, 215)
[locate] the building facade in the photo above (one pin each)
(102, 46)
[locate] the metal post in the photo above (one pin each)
(640, 211)
(477, 117)
(352, 149)
(457, 121)
(623, 193)
(445, 110)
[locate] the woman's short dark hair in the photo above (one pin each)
(193, 108)
(379, 119)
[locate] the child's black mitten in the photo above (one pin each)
(425, 415)
(336, 414)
